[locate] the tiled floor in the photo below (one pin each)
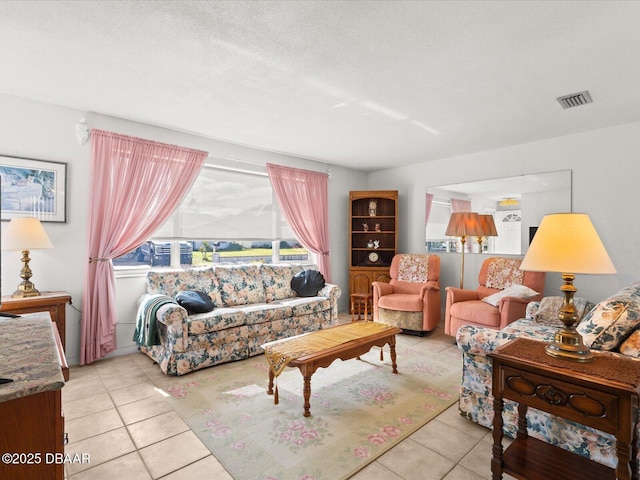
(114, 413)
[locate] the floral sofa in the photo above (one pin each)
(612, 326)
(253, 304)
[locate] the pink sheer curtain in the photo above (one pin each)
(135, 186)
(458, 205)
(304, 200)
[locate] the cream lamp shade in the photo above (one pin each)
(24, 234)
(567, 243)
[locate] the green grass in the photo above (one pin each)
(254, 252)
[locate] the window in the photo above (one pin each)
(437, 226)
(230, 215)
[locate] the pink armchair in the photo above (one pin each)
(411, 299)
(465, 307)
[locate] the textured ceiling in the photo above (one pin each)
(367, 85)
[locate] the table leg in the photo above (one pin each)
(270, 388)
(392, 348)
(353, 311)
(307, 396)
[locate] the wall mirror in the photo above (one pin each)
(516, 203)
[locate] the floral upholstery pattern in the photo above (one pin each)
(504, 272)
(549, 307)
(413, 268)
(254, 305)
(476, 400)
(612, 320)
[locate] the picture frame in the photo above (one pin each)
(33, 188)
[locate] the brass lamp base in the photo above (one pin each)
(568, 345)
(26, 289)
(567, 342)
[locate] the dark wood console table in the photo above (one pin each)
(602, 394)
(53, 302)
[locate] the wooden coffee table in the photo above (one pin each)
(318, 349)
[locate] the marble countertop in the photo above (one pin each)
(29, 356)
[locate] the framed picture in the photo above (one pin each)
(33, 188)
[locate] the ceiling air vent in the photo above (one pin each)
(575, 99)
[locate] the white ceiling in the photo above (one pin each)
(364, 84)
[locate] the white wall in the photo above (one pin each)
(605, 173)
(36, 130)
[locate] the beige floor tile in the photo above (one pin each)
(461, 473)
(445, 439)
(156, 428)
(375, 471)
(100, 449)
(133, 393)
(133, 375)
(174, 453)
(91, 425)
(478, 460)
(206, 468)
(412, 461)
(451, 416)
(128, 466)
(79, 387)
(86, 406)
(142, 409)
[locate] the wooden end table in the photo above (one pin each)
(358, 300)
(602, 394)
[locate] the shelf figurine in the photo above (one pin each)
(373, 206)
(365, 227)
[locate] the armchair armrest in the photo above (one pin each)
(429, 287)
(380, 289)
(512, 309)
(460, 295)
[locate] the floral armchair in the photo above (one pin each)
(411, 299)
(500, 299)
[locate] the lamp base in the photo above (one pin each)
(568, 345)
(26, 289)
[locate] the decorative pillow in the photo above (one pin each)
(612, 320)
(547, 314)
(195, 302)
(631, 346)
(520, 291)
(307, 283)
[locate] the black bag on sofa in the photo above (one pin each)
(307, 283)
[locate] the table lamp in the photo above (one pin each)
(463, 224)
(567, 243)
(24, 234)
(487, 227)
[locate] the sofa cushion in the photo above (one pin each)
(306, 305)
(172, 281)
(612, 320)
(195, 302)
(277, 280)
(264, 312)
(239, 285)
(219, 319)
(631, 346)
(519, 291)
(549, 307)
(307, 283)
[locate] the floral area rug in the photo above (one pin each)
(359, 410)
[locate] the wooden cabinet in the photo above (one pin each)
(373, 237)
(602, 394)
(53, 302)
(32, 433)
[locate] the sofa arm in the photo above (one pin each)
(173, 319)
(333, 293)
(480, 341)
